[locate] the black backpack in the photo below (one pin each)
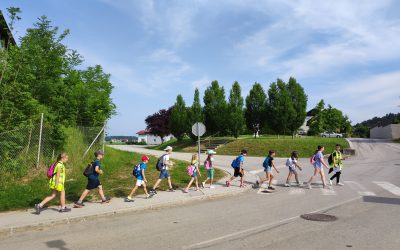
(160, 163)
(89, 169)
(330, 159)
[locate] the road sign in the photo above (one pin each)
(198, 129)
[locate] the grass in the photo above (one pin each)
(283, 147)
(117, 179)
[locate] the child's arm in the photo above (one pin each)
(144, 176)
(297, 165)
(273, 165)
(323, 163)
(98, 170)
(197, 169)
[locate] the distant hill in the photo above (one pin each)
(362, 129)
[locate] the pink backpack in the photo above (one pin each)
(50, 170)
(207, 164)
(190, 170)
(312, 160)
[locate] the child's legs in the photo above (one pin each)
(197, 182)
(289, 176)
(157, 183)
(190, 183)
(264, 179)
(62, 199)
(133, 190)
(313, 176)
(49, 198)
(145, 188)
(101, 192)
(84, 194)
(270, 176)
(321, 172)
(296, 176)
(169, 182)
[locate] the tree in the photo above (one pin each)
(235, 110)
(280, 107)
(317, 122)
(255, 112)
(215, 109)
(299, 102)
(179, 123)
(195, 113)
(158, 123)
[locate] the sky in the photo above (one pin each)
(345, 52)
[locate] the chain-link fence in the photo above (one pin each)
(32, 148)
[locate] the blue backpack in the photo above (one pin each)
(236, 162)
(136, 170)
(265, 163)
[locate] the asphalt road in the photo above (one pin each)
(367, 210)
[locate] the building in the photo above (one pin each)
(150, 139)
(391, 131)
(6, 37)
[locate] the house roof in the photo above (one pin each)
(143, 132)
(5, 30)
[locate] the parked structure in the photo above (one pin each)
(391, 131)
(148, 138)
(6, 38)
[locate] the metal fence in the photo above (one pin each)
(31, 147)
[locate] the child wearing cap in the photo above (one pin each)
(237, 165)
(94, 181)
(140, 179)
(164, 171)
(209, 165)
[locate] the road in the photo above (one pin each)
(367, 210)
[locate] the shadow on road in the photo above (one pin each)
(383, 200)
(58, 244)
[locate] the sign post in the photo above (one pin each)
(198, 129)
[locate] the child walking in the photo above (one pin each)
(268, 164)
(209, 165)
(164, 171)
(94, 181)
(56, 184)
(140, 179)
(319, 163)
(291, 163)
(237, 165)
(194, 164)
(336, 166)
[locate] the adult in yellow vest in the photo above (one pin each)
(337, 165)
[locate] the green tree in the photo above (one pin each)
(179, 123)
(317, 122)
(215, 109)
(235, 110)
(195, 113)
(299, 102)
(255, 112)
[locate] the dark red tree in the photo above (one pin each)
(158, 123)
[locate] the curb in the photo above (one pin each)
(45, 225)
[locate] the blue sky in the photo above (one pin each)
(346, 52)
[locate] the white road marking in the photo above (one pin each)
(361, 190)
(262, 227)
(326, 191)
(389, 187)
(297, 191)
(256, 171)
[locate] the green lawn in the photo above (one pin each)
(283, 147)
(117, 179)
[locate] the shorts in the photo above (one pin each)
(93, 183)
(292, 170)
(238, 172)
(194, 175)
(139, 183)
(164, 174)
(210, 173)
(318, 167)
(268, 169)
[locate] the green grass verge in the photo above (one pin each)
(283, 147)
(117, 179)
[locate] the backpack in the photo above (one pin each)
(136, 170)
(288, 162)
(330, 159)
(207, 164)
(88, 170)
(236, 162)
(160, 163)
(265, 163)
(190, 170)
(50, 170)
(312, 160)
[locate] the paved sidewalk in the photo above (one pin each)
(26, 220)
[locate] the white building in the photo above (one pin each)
(391, 131)
(145, 136)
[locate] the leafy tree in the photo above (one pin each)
(215, 109)
(179, 123)
(299, 102)
(158, 123)
(235, 110)
(195, 113)
(255, 112)
(317, 122)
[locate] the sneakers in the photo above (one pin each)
(212, 186)
(330, 182)
(37, 209)
(271, 188)
(227, 184)
(149, 196)
(171, 190)
(287, 185)
(79, 204)
(64, 210)
(257, 183)
(129, 199)
(203, 184)
(340, 184)
(185, 191)
(107, 200)
(308, 185)
(153, 191)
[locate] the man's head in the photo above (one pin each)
(99, 154)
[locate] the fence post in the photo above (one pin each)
(102, 129)
(40, 141)
(104, 137)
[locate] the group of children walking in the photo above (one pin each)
(57, 177)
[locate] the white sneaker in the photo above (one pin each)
(330, 182)
(308, 185)
(287, 185)
(212, 187)
(203, 184)
(340, 184)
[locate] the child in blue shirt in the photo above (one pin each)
(238, 169)
(140, 179)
